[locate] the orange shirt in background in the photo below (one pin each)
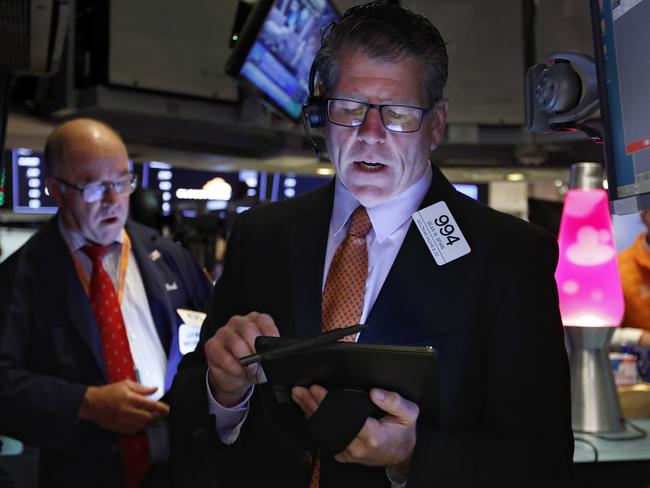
(634, 266)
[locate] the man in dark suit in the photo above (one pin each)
(58, 389)
(490, 309)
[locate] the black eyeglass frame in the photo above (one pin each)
(106, 185)
(379, 107)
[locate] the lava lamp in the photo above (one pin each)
(591, 299)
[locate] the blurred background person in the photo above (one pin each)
(634, 267)
(89, 322)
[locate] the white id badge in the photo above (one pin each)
(190, 330)
(441, 233)
(188, 338)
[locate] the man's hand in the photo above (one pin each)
(229, 381)
(388, 441)
(121, 407)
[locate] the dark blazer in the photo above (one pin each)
(50, 348)
(492, 315)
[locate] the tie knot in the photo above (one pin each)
(95, 251)
(360, 223)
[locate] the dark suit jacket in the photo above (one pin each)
(50, 348)
(492, 315)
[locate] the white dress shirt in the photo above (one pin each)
(149, 358)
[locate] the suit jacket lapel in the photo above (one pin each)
(65, 281)
(308, 246)
(408, 278)
(154, 284)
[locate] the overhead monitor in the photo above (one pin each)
(621, 38)
(276, 48)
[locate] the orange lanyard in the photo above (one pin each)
(124, 261)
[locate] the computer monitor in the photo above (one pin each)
(477, 191)
(289, 185)
(28, 175)
(209, 188)
(276, 49)
(621, 36)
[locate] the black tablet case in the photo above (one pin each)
(410, 371)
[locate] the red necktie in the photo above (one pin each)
(117, 354)
(345, 287)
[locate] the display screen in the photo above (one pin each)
(28, 175)
(477, 191)
(214, 188)
(620, 29)
(290, 185)
(277, 48)
(467, 189)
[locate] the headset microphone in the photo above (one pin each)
(305, 115)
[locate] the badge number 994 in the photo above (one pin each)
(445, 229)
(441, 233)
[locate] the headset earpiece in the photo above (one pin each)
(315, 111)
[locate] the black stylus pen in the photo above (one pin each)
(331, 336)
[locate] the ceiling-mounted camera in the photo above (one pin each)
(561, 94)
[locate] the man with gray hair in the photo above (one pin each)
(352, 252)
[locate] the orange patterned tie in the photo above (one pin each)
(117, 354)
(345, 287)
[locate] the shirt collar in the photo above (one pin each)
(386, 217)
(75, 240)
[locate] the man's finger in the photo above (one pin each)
(257, 324)
(318, 393)
(160, 408)
(394, 404)
(266, 325)
(227, 350)
(229, 360)
(142, 389)
(142, 403)
(253, 373)
(305, 400)
(247, 336)
(151, 406)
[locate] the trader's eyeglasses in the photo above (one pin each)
(395, 118)
(96, 191)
